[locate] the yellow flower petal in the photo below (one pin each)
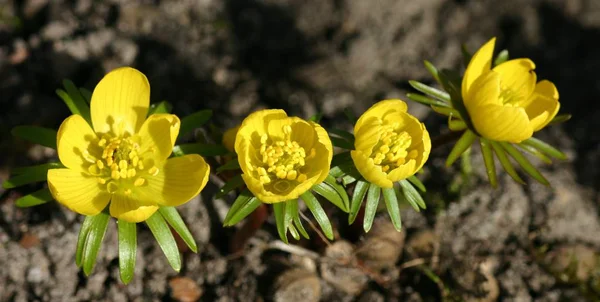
(517, 76)
(543, 106)
(368, 135)
(380, 110)
(404, 171)
(120, 101)
(179, 180)
(499, 123)
(73, 141)
(484, 91)
(324, 154)
(229, 138)
(158, 135)
(480, 63)
(78, 192)
(303, 133)
(257, 124)
(371, 172)
(129, 209)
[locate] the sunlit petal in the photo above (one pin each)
(78, 192)
(127, 208)
(158, 135)
(76, 144)
(480, 63)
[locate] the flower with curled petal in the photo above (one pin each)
(123, 157)
(281, 157)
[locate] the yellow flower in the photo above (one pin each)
(391, 145)
(505, 103)
(282, 157)
(229, 138)
(123, 159)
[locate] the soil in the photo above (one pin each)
(473, 243)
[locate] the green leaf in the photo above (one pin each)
(160, 108)
(465, 141)
(451, 81)
(339, 194)
(243, 205)
(455, 124)
(447, 111)
(417, 183)
(341, 143)
(425, 100)
(488, 159)
(36, 198)
(83, 232)
(412, 195)
(86, 94)
(93, 241)
(432, 70)
(443, 96)
(524, 163)
(229, 166)
(330, 194)
(316, 117)
(373, 196)
(315, 208)
(127, 249)
(194, 120)
(343, 134)
(38, 135)
(505, 162)
(360, 190)
(172, 217)
(292, 206)
(280, 220)
(348, 179)
(162, 233)
(533, 151)
(234, 183)
(545, 148)
(501, 57)
(559, 119)
(201, 149)
(391, 203)
(350, 115)
(27, 175)
(74, 100)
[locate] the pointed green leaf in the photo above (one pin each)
(348, 179)
(293, 232)
(341, 143)
(425, 100)
(544, 147)
(447, 111)
(83, 233)
(291, 210)
(412, 195)
(36, 198)
(360, 190)
(505, 162)
(373, 196)
(280, 221)
(315, 208)
(127, 249)
(243, 205)
(443, 96)
(559, 119)
(93, 241)
(74, 100)
(391, 203)
(451, 81)
(501, 57)
(160, 108)
(316, 117)
(535, 152)
(172, 217)
(229, 166)
(330, 180)
(524, 163)
(292, 206)
(162, 233)
(417, 183)
(194, 120)
(488, 159)
(465, 141)
(234, 183)
(27, 175)
(200, 148)
(330, 194)
(455, 124)
(432, 70)
(343, 134)
(86, 94)
(38, 135)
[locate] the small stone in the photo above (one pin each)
(297, 285)
(184, 289)
(29, 240)
(57, 30)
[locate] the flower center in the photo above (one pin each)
(121, 164)
(392, 149)
(283, 159)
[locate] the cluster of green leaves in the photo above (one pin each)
(449, 102)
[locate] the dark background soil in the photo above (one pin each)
(473, 243)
